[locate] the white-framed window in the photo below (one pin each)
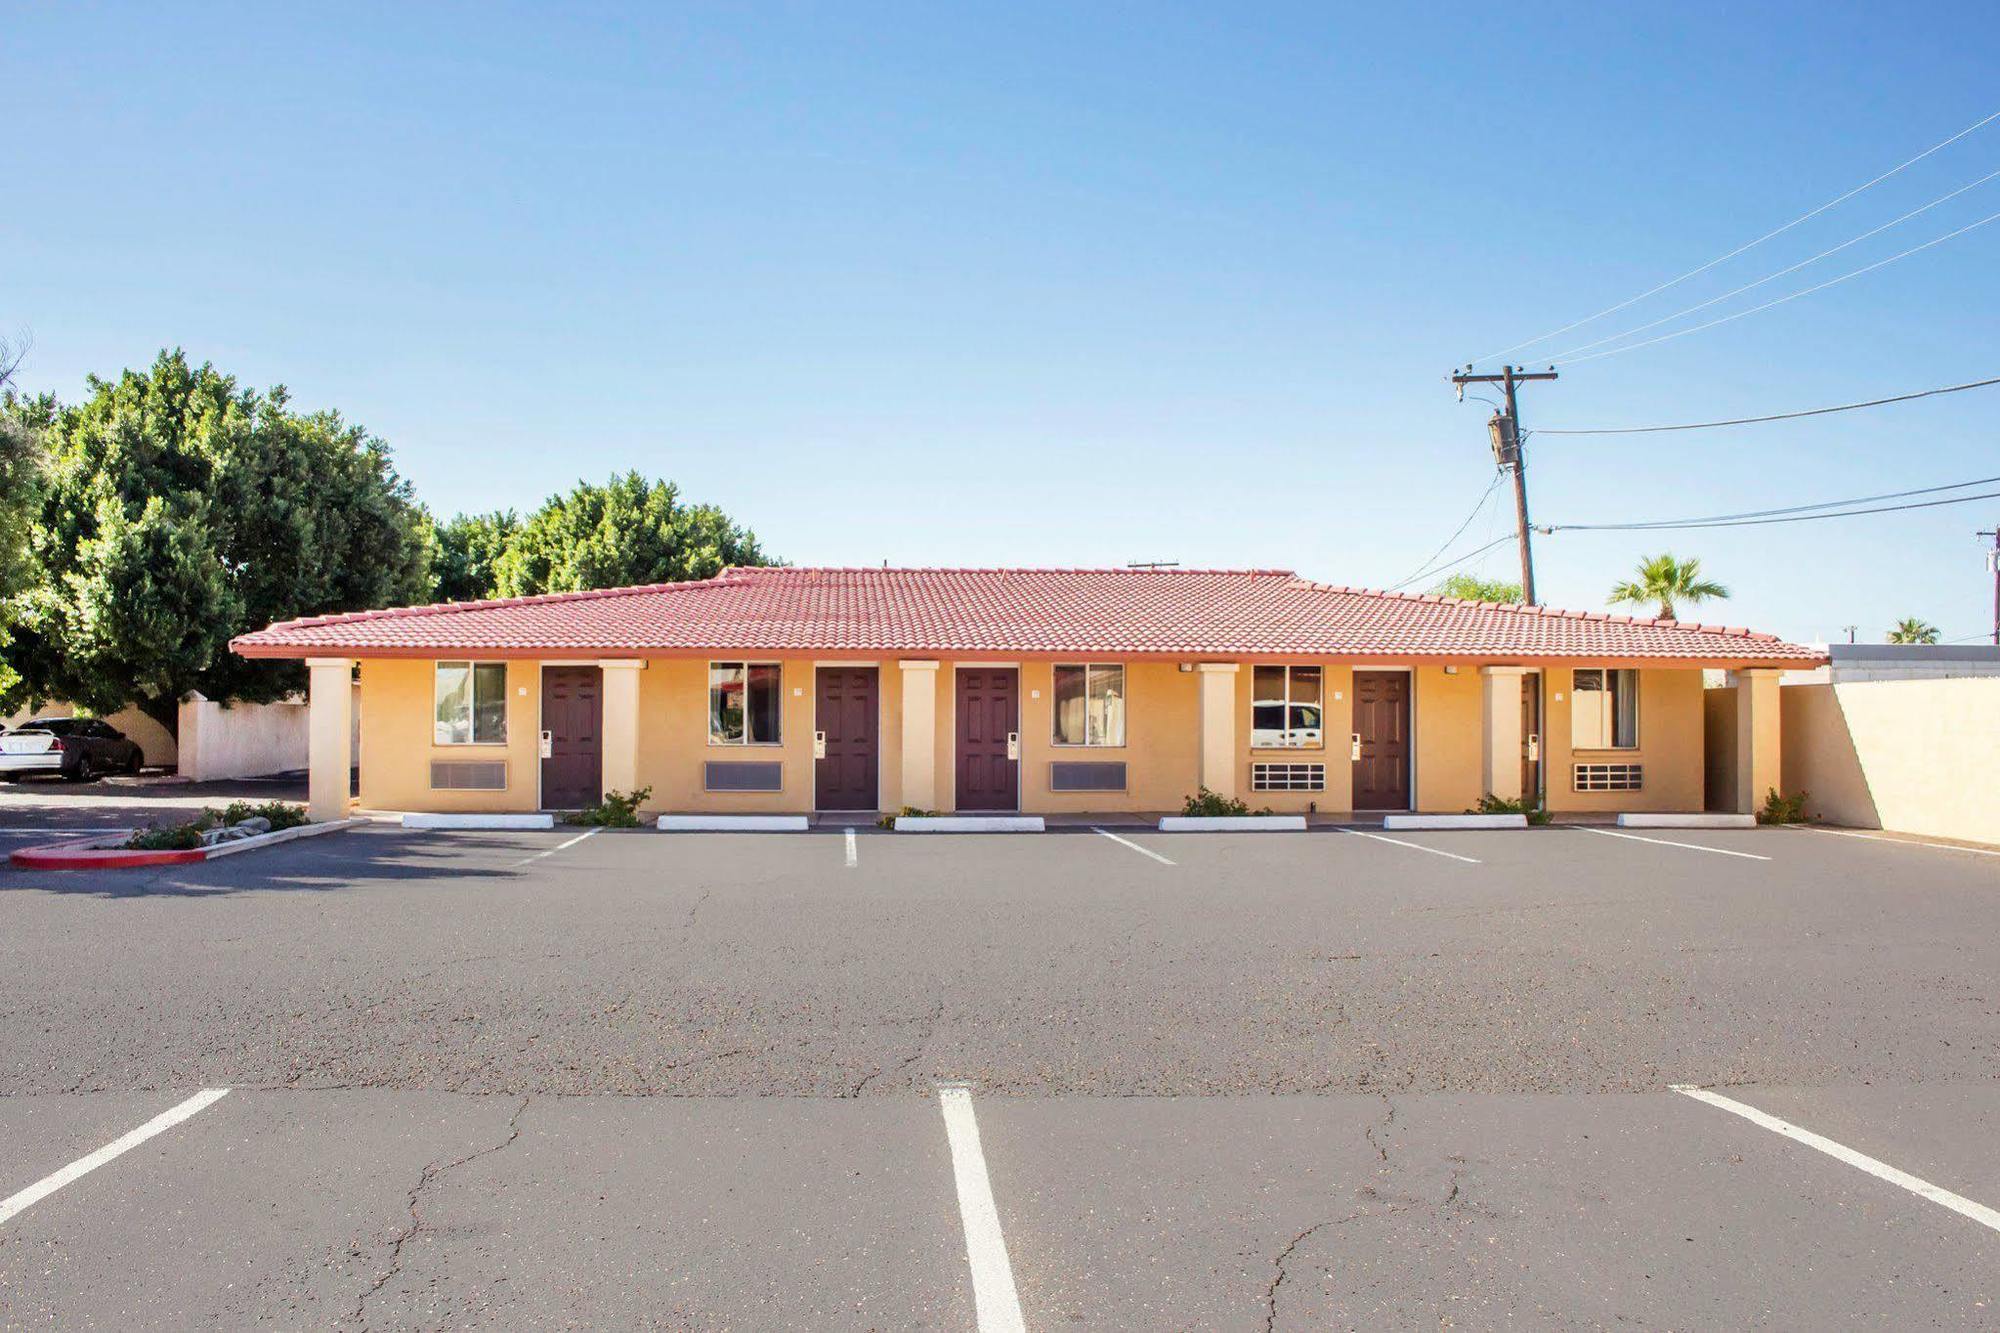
(1090, 705)
(745, 703)
(1604, 709)
(1287, 710)
(470, 703)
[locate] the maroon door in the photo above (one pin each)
(845, 720)
(572, 755)
(989, 725)
(1382, 732)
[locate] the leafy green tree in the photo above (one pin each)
(180, 510)
(627, 531)
(464, 567)
(1667, 583)
(1912, 630)
(1472, 588)
(21, 424)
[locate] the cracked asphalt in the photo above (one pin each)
(1289, 1082)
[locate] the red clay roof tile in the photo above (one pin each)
(1190, 612)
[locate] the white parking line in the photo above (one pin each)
(1127, 842)
(1667, 842)
(1905, 842)
(994, 1299)
(83, 1166)
(853, 851)
(1958, 1203)
(1413, 846)
(558, 847)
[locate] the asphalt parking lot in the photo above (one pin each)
(1124, 1080)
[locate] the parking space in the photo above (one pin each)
(393, 1209)
(1445, 1211)
(1222, 1080)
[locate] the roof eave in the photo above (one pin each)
(536, 652)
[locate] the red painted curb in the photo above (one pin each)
(105, 858)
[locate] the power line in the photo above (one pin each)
(1781, 516)
(1831, 504)
(1772, 277)
(1476, 551)
(1819, 287)
(1696, 272)
(1445, 545)
(1775, 416)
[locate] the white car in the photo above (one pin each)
(80, 748)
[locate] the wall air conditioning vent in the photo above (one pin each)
(468, 775)
(721, 775)
(1288, 777)
(1086, 775)
(1608, 777)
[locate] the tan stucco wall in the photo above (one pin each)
(1911, 756)
(1337, 699)
(396, 750)
(1162, 750)
(674, 748)
(1446, 726)
(1670, 746)
(1162, 746)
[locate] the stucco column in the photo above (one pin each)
(1758, 749)
(1218, 726)
(920, 734)
(621, 723)
(329, 736)
(1500, 730)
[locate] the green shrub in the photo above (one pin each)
(1490, 804)
(618, 809)
(1205, 804)
(186, 835)
(281, 814)
(907, 812)
(1784, 809)
(172, 837)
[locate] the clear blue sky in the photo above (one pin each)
(1036, 285)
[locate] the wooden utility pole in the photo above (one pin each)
(1507, 435)
(1994, 560)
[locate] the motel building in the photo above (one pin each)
(1043, 691)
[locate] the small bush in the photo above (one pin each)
(1205, 804)
(1495, 805)
(618, 809)
(186, 835)
(907, 812)
(280, 814)
(1784, 809)
(172, 837)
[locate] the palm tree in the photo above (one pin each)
(1912, 630)
(1669, 583)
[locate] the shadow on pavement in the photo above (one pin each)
(334, 861)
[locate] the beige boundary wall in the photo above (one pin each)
(1165, 751)
(215, 741)
(1910, 756)
(241, 740)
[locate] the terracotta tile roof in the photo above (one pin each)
(1186, 613)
